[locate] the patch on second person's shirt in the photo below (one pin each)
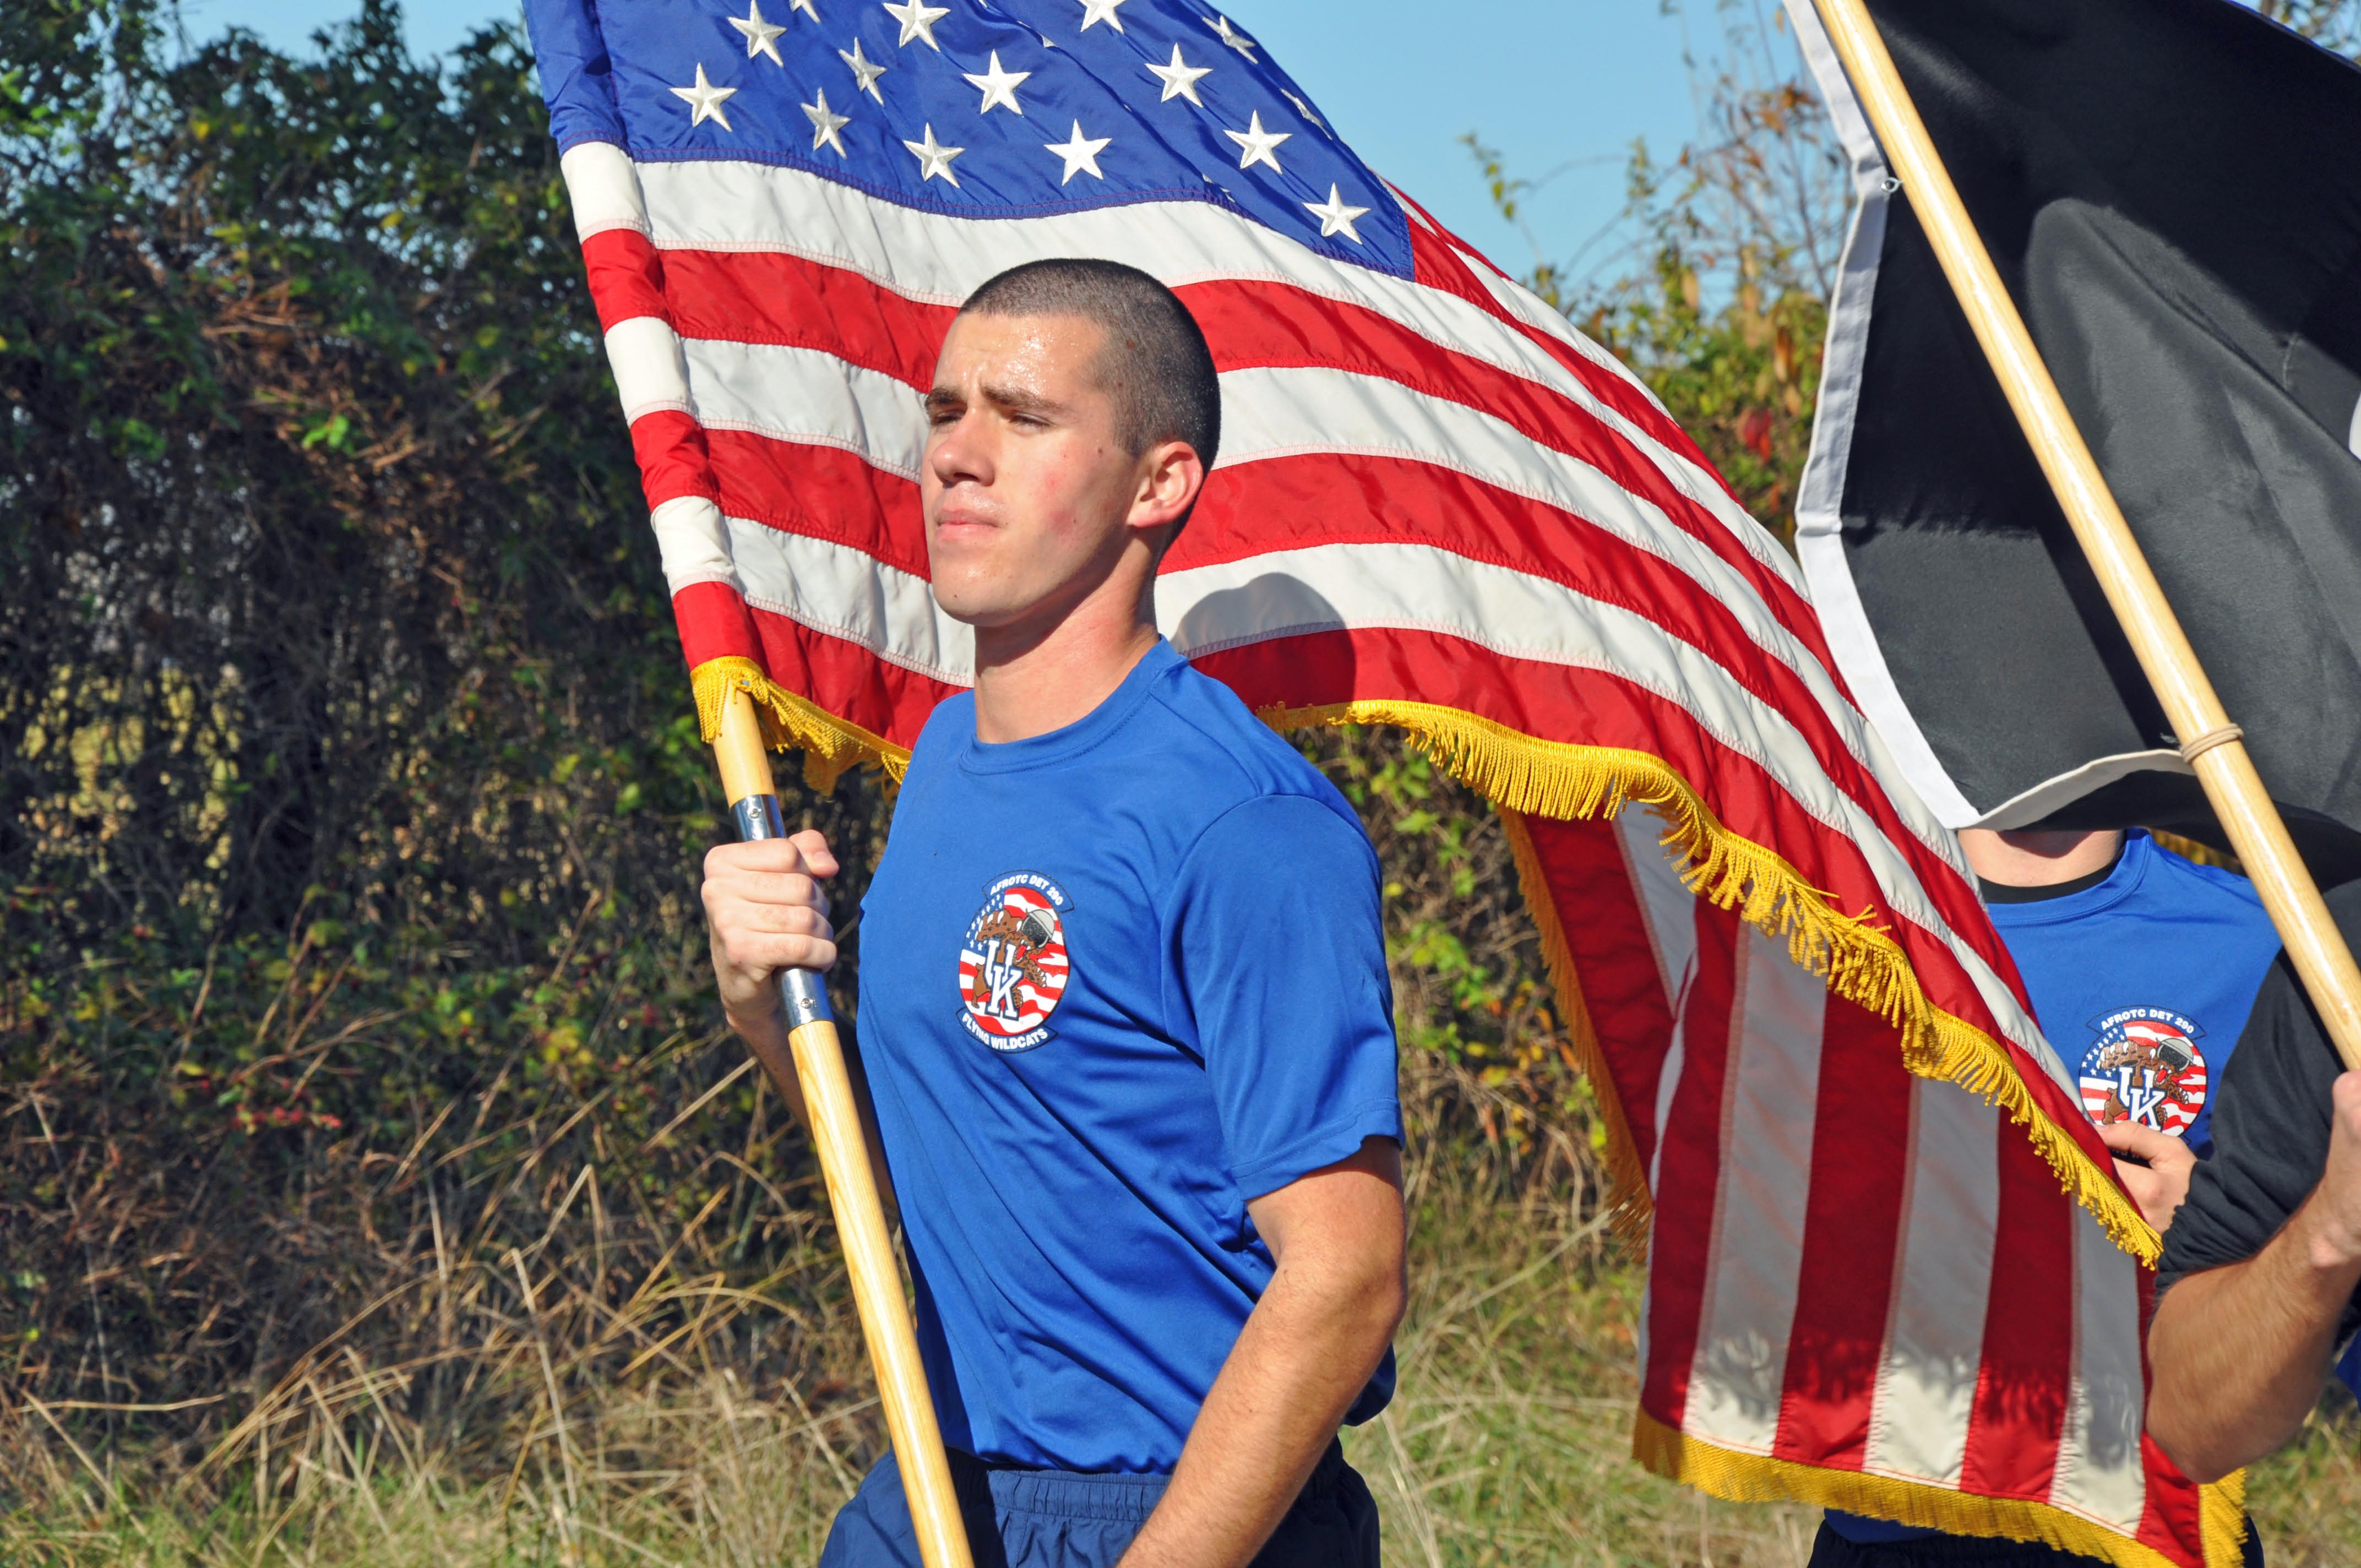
(1013, 966)
(2145, 1067)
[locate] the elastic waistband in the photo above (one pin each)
(1078, 1495)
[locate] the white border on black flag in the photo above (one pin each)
(1819, 504)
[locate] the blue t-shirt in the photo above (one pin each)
(1115, 980)
(2142, 984)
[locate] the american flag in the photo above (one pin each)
(1436, 506)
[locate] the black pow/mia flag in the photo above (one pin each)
(2171, 190)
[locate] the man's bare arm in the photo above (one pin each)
(2240, 1352)
(1305, 1354)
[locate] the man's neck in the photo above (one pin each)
(2039, 860)
(1030, 682)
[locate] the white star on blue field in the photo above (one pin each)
(1165, 101)
(1557, 86)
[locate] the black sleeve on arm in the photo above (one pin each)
(2270, 1125)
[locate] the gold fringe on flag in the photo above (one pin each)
(1526, 776)
(830, 744)
(1741, 1477)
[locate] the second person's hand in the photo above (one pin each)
(2157, 1175)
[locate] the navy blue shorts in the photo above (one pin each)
(1057, 1519)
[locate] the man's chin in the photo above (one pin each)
(984, 612)
(1013, 604)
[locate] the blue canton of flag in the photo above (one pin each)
(1018, 108)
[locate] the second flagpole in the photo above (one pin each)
(2210, 742)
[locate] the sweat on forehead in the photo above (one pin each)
(1155, 358)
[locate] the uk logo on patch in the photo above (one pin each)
(1013, 967)
(2145, 1067)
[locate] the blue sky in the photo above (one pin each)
(1561, 86)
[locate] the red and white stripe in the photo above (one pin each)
(1989, 1346)
(1434, 490)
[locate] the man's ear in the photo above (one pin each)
(1171, 475)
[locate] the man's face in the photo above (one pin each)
(1029, 494)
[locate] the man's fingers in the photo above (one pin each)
(770, 856)
(783, 888)
(761, 952)
(2138, 1180)
(2143, 1142)
(742, 927)
(812, 844)
(778, 919)
(767, 912)
(2157, 1175)
(805, 854)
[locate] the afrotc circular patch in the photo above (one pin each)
(1013, 967)
(2145, 1067)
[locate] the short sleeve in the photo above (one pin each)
(2271, 1120)
(1278, 970)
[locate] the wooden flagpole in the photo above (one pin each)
(2210, 742)
(834, 1116)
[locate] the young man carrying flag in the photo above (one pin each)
(1125, 1012)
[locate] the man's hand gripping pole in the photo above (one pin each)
(836, 1135)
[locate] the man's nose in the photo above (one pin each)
(960, 451)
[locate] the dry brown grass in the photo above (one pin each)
(552, 1409)
(1510, 1441)
(1506, 1444)
(538, 1404)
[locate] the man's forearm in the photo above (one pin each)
(1304, 1355)
(2240, 1352)
(767, 1035)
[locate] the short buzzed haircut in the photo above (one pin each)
(1156, 361)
